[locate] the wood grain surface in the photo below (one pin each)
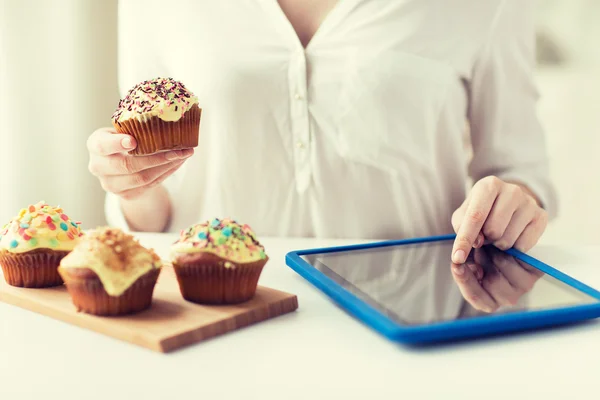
(170, 324)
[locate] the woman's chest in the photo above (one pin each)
(239, 48)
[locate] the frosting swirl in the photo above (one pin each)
(40, 226)
(117, 258)
(164, 98)
(225, 238)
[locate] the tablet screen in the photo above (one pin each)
(414, 284)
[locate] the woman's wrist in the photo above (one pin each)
(149, 212)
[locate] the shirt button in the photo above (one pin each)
(300, 144)
(298, 96)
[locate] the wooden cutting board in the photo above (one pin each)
(171, 323)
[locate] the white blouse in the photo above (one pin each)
(361, 134)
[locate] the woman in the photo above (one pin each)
(339, 119)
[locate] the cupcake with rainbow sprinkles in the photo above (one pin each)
(34, 242)
(218, 262)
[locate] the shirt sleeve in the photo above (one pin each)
(507, 138)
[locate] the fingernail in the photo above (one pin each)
(459, 257)
(127, 143)
(186, 153)
(173, 155)
(458, 269)
(477, 242)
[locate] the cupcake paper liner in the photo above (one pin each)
(33, 269)
(88, 294)
(155, 135)
(212, 283)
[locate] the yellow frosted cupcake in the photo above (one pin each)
(33, 243)
(110, 273)
(218, 262)
(161, 114)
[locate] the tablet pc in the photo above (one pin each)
(407, 291)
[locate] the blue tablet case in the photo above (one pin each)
(444, 331)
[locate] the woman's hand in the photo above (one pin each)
(504, 214)
(123, 174)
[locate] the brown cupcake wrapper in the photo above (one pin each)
(88, 294)
(213, 283)
(155, 135)
(33, 269)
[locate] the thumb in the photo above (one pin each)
(105, 142)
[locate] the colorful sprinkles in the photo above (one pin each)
(224, 237)
(38, 225)
(153, 96)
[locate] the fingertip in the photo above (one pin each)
(187, 152)
(128, 143)
(459, 256)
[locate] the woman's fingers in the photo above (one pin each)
(471, 289)
(507, 202)
(133, 193)
(533, 231)
(480, 204)
(124, 164)
(122, 183)
(105, 142)
(519, 221)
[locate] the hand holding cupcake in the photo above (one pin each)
(157, 128)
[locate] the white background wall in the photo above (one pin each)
(58, 83)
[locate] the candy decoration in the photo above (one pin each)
(224, 237)
(147, 96)
(38, 226)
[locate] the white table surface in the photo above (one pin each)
(317, 352)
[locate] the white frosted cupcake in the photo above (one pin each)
(161, 114)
